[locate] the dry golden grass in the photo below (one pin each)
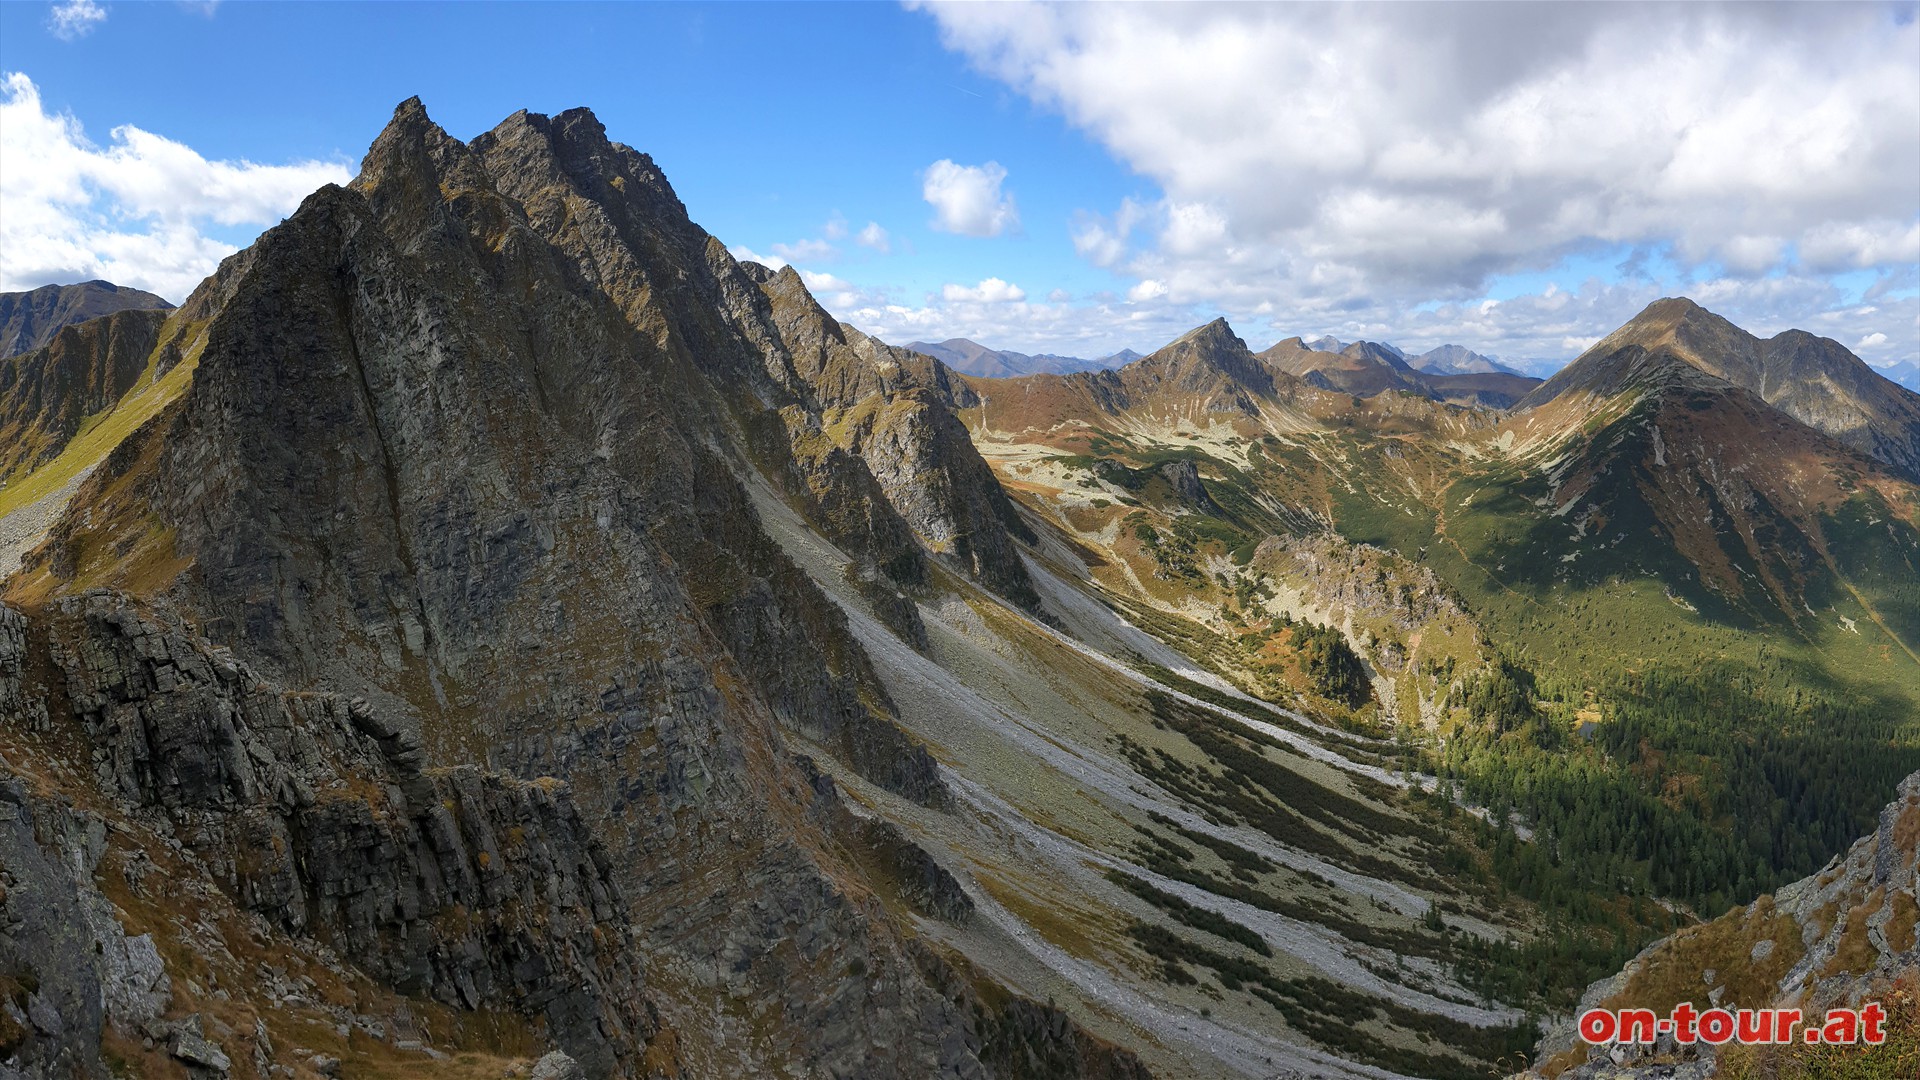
(1898, 1058)
(1673, 974)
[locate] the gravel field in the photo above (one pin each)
(27, 526)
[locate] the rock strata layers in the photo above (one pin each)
(310, 811)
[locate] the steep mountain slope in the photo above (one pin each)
(29, 320)
(886, 407)
(48, 392)
(497, 459)
(458, 441)
(1813, 379)
(1674, 461)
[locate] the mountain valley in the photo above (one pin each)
(487, 621)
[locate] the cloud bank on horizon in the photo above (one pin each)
(1518, 178)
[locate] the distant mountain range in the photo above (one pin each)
(1365, 368)
(972, 358)
(29, 320)
(1455, 360)
(1906, 373)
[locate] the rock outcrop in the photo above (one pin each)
(309, 810)
(1837, 939)
(887, 406)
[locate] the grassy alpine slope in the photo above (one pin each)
(1669, 632)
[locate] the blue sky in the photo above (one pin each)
(1070, 180)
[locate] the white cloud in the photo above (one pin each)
(1343, 168)
(875, 237)
(826, 246)
(990, 291)
(133, 212)
(75, 19)
(809, 250)
(743, 253)
(1861, 245)
(837, 294)
(967, 198)
(1193, 229)
(817, 281)
(1871, 340)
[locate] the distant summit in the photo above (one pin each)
(972, 358)
(1906, 373)
(1815, 380)
(1366, 368)
(1456, 360)
(29, 320)
(1445, 360)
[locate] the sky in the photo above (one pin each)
(1517, 178)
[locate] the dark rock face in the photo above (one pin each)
(887, 406)
(314, 812)
(29, 320)
(1027, 1040)
(85, 368)
(478, 440)
(56, 1005)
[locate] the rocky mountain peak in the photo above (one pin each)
(1695, 334)
(491, 437)
(1457, 360)
(1216, 334)
(1814, 380)
(1200, 359)
(1373, 352)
